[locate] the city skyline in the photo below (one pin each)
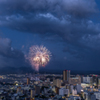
(64, 86)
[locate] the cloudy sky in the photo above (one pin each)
(70, 29)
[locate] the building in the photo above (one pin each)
(98, 82)
(74, 92)
(75, 80)
(18, 89)
(37, 89)
(79, 88)
(28, 81)
(48, 79)
(97, 94)
(63, 91)
(66, 75)
(82, 78)
(94, 79)
(57, 90)
(32, 93)
(67, 86)
(85, 96)
(71, 89)
(87, 80)
(92, 97)
(57, 82)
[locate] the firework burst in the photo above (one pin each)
(39, 56)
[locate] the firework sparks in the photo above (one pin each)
(39, 56)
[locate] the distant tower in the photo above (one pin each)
(66, 75)
(28, 81)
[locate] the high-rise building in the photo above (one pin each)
(71, 88)
(98, 83)
(85, 96)
(66, 75)
(57, 90)
(37, 89)
(32, 93)
(79, 88)
(63, 91)
(94, 79)
(74, 92)
(18, 89)
(57, 82)
(28, 81)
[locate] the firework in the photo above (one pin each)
(39, 56)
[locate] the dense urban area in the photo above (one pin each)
(49, 87)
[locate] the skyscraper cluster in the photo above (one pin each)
(66, 75)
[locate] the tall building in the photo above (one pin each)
(57, 82)
(28, 81)
(37, 89)
(85, 96)
(79, 88)
(71, 88)
(74, 92)
(32, 93)
(94, 79)
(57, 90)
(63, 91)
(66, 75)
(18, 89)
(98, 83)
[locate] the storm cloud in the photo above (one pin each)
(70, 20)
(66, 18)
(10, 57)
(55, 7)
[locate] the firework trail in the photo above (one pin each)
(39, 56)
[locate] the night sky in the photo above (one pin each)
(70, 29)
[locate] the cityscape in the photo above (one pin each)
(49, 86)
(49, 49)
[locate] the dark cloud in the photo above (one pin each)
(10, 57)
(66, 18)
(56, 7)
(60, 20)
